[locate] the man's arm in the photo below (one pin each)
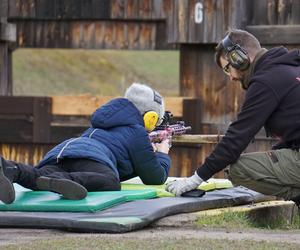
(260, 102)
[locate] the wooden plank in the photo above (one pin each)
(16, 130)
(5, 69)
(59, 9)
(200, 77)
(26, 153)
(197, 139)
(283, 12)
(41, 119)
(260, 12)
(192, 116)
(16, 105)
(140, 9)
(92, 35)
(205, 21)
(8, 32)
(77, 105)
(5, 53)
(185, 159)
(295, 10)
(86, 104)
(276, 34)
(12, 8)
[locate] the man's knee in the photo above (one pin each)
(236, 173)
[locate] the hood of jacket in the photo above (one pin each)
(280, 55)
(266, 59)
(117, 112)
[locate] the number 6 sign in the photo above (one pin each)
(198, 13)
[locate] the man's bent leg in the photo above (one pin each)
(275, 172)
(93, 175)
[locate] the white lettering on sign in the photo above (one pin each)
(198, 13)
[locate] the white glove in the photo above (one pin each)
(179, 187)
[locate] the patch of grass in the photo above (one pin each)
(98, 72)
(242, 220)
(149, 244)
(228, 220)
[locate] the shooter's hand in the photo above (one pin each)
(181, 186)
(163, 147)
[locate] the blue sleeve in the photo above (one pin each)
(152, 168)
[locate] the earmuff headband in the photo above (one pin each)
(237, 56)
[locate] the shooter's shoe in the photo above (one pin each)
(7, 191)
(68, 189)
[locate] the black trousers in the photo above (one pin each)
(93, 175)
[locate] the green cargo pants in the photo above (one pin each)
(275, 172)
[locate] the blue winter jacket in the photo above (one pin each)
(117, 139)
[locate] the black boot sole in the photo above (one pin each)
(68, 189)
(7, 190)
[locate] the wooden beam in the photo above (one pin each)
(197, 139)
(5, 69)
(276, 34)
(77, 105)
(5, 52)
(8, 32)
(87, 104)
(211, 139)
(84, 34)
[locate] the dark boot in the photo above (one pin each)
(7, 191)
(68, 189)
(296, 200)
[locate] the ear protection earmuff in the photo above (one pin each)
(150, 120)
(237, 56)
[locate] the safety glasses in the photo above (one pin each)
(226, 69)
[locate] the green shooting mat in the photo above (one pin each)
(44, 201)
(129, 216)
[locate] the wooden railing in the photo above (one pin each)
(87, 104)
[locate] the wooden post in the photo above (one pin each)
(192, 114)
(41, 119)
(7, 34)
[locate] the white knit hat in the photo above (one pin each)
(146, 99)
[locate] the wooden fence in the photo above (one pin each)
(30, 126)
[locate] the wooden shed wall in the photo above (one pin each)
(90, 9)
(275, 12)
(92, 35)
(217, 16)
(201, 77)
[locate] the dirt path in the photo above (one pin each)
(21, 236)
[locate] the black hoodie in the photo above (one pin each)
(272, 100)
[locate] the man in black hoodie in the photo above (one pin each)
(272, 81)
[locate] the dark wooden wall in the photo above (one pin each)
(217, 17)
(200, 77)
(90, 9)
(92, 35)
(91, 24)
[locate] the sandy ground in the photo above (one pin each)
(172, 227)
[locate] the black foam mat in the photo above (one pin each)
(131, 215)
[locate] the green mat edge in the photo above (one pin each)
(145, 194)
